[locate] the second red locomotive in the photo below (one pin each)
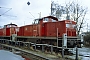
(47, 27)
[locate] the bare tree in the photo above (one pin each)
(73, 10)
(79, 14)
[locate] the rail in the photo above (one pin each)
(3, 42)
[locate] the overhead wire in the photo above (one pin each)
(6, 12)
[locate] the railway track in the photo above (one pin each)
(25, 50)
(31, 50)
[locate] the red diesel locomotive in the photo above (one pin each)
(44, 27)
(44, 30)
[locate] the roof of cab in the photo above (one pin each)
(11, 24)
(48, 17)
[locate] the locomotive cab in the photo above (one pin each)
(46, 24)
(10, 25)
(10, 29)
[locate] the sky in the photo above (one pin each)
(22, 14)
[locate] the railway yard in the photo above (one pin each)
(45, 39)
(30, 52)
